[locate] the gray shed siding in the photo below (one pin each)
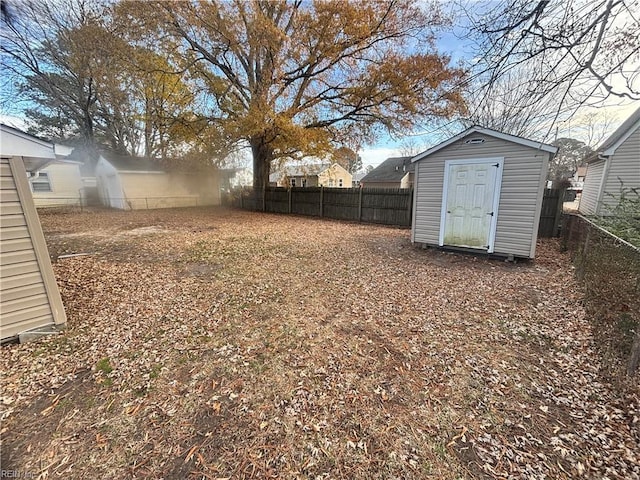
(624, 165)
(602, 185)
(591, 188)
(30, 298)
(520, 197)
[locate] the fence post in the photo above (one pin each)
(410, 207)
(360, 204)
(321, 199)
(241, 198)
(264, 199)
(146, 202)
(559, 209)
(289, 192)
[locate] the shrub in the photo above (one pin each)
(623, 219)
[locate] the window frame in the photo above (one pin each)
(38, 181)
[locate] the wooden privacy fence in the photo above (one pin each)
(551, 213)
(389, 206)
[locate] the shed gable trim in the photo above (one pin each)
(612, 149)
(37, 238)
(492, 133)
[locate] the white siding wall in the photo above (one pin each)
(518, 215)
(30, 298)
(591, 188)
(625, 166)
(66, 186)
(169, 190)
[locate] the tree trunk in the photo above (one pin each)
(262, 157)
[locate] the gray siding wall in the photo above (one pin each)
(591, 188)
(520, 198)
(625, 166)
(27, 301)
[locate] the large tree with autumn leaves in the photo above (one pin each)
(297, 77)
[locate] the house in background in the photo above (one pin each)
(235, 178)
(482, 191)
(313, 175)
(615, 165)
(30, 301)
(577, 180)
(576, 183)
(356, 178)
(59, 183)
(394, 172)
(132, 183)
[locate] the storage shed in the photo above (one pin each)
(132, 183)
(481, 190)
(614, 166)
(30, 300)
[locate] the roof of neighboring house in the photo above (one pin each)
(299, 171)
(132, 164)
(22, 133)
(391, 170)
(489, 132)
(37, 158)
(619, 136)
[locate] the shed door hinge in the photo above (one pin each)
(496, 165)
(490, 213)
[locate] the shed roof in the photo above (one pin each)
(128, 163)
(492, 133)
(620, 135)
(391, 170)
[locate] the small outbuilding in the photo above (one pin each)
(482, 191)
(613, 169)
(132, 183)
(30, 302)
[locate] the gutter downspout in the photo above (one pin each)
(605, 173)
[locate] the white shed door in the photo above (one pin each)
(470, 204)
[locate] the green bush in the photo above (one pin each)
(623, 219)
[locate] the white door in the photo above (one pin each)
(470, 203)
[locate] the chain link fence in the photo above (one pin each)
(609, 270)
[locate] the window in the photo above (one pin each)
(41, 183)
(304, 182)
(331, 182)
(293, 182)
(340, 182)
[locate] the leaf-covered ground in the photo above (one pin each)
(224, 344)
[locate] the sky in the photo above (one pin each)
(451, 43)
